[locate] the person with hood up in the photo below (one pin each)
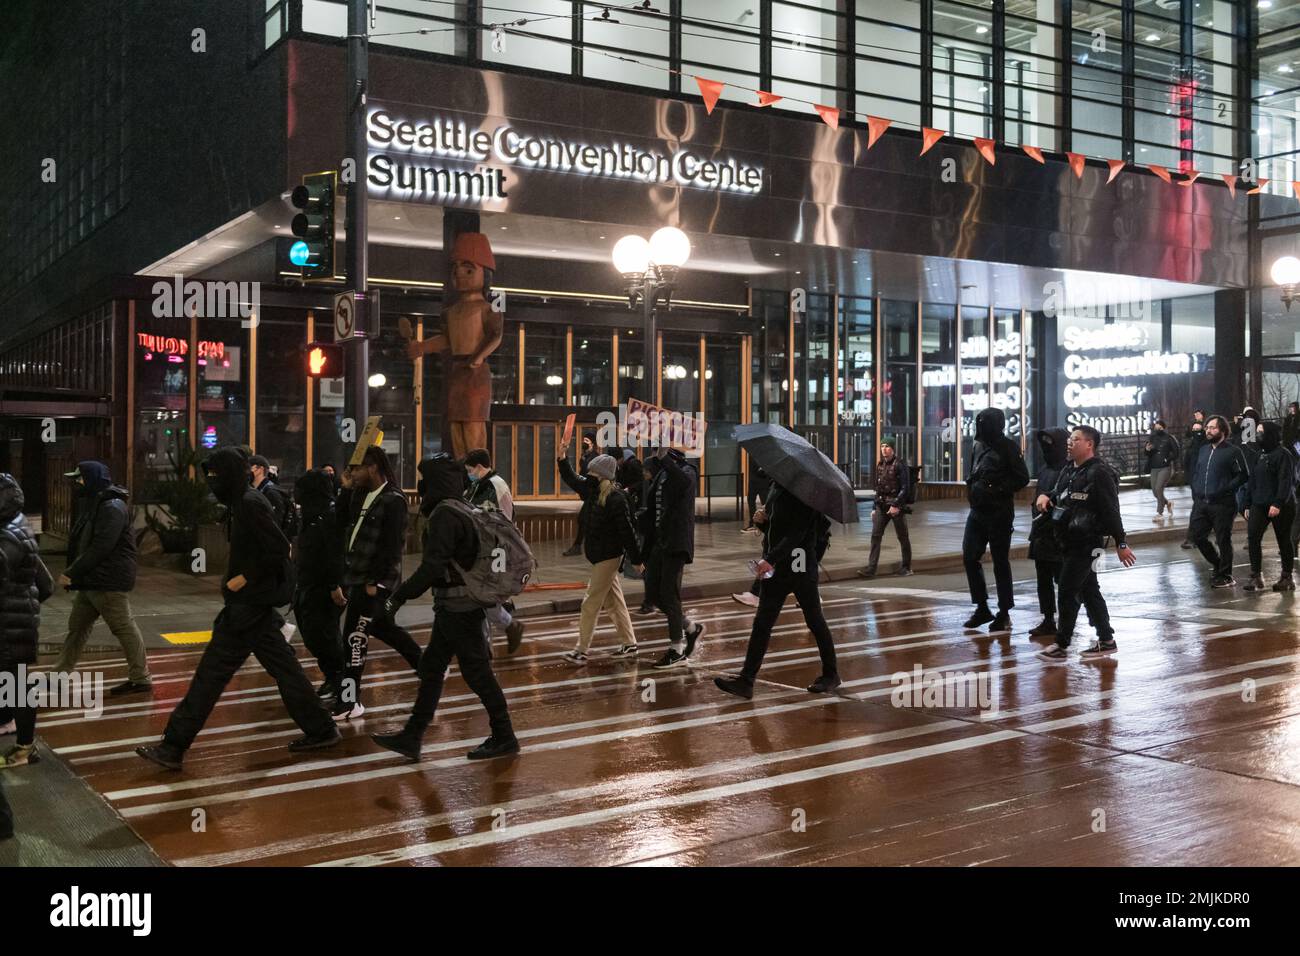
(1084, 510)
(24, 584)
(318, 598)
(101, 574)
(1043, 547)
(375, 543)
(255, 584)
(671, 518)
(795, 537)
(1269, 499)
(1221, 468)
(1192, 443)
(1161, 451)
(460, 627)
(610, 538)
(997, 472)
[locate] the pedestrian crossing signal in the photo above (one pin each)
(324, 360)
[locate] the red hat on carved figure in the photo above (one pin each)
(473, 247)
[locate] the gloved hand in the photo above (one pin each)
(389, 609)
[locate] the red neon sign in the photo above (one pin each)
(171, 345)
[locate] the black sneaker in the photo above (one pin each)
(1046, 629)
(130, 687)
(903, 573)
(824, 684)
(736, 686)
(1056, 654)
(326, 690)
(867, 572)
(692, 638)
(573, 552)
(1223, 581)
(514, 635)
(1001, 623)
(1256, 583)
(981, 616)
(494, 747)
(1187, 546)
(671, 658)
(163, 755)
(645, 609)
(408, 745)
(303, 744)
(1285, 583)
(1097, 650)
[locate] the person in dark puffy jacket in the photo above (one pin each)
(256, 579)
(24, 584)
(101, 573)
(1220, 469)
(609, 538)
(1269, 499)
(997, 472)
(1162, 451)
(670, 518)
(1043, 546)
(318, 598)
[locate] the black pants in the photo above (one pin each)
(1258, 523)
(6, 815)
(991, 531)
(464, 636)
(771, 599)
(20, 714)
(1216, 517)
(1049, 574)
(1079, 587)
(663, 589)
(318, 619)
(583, 512)
(358, 627)
(880, 519)
(240, 630)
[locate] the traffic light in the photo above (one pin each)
(324, 360)
(313, 252)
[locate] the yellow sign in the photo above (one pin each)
(188, 637)
(370, 435)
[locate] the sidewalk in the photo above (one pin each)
(172, 603)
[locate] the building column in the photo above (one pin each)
(1230, 351)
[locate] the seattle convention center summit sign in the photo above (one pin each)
(444, 157)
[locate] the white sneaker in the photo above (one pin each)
(625, 651)
(745, 598)
(288, 630)
(352, 713)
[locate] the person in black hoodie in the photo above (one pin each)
(1043, 547)
(101, 573)
(1084, 510)
(589, 451)
(1221, 468)
(1291, 427)
(1192, 443)
(318, 598)
(460, 628)
(671, 518)
(1161, 451)
(794, 536)
(24, 585)
(375, 543)
(997, 472)
(257, 580)
(1269, 498)
(610, 538)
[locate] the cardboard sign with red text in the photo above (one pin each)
(650, 425)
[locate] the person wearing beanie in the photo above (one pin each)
(255, 584)
(893, 492)
(589, 451)
(1269, 498)
(609, 539)
(460, 627)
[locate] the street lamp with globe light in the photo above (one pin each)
(1286, 273)
(650, 271)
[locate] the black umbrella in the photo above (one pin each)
(801, 469)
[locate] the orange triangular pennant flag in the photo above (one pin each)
(710, 90)
(1231, 180)
(829, 114)
(1161, 172)
(875, 129)
(767, 99)
(1259, 186)
(1077, 162)
(1192, 176)
(1295, 188)
(1034, 153)
(929, 137)
(985, 147)
(1115, 166)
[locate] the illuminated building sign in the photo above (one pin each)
(488, 149)
(171, 346)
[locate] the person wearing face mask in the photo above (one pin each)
(101, 574)
(318, 598)
(997, 472)
(1219, 471)
(489, 491)
(1269, 499)
(1161, 452)
(1192, 443)
(460, 627)
(255, 584)
(589, 451)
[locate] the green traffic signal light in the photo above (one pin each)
(314, 225)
